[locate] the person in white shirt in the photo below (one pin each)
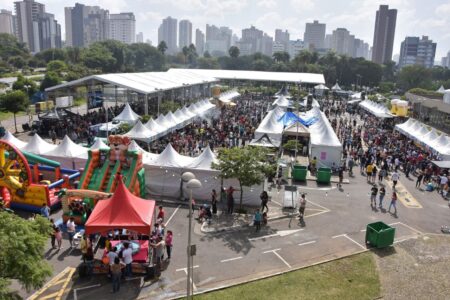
(127, 257)
(395, 177)
(443, 182)
(112, 255)
(71, 230)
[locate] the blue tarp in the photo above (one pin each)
(290, 118)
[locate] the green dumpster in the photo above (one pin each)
(299, 172)
(323, 175)
(379, 235)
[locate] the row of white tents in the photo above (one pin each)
(164, 124)
(162, 171)
(426, 136)
(377, 109)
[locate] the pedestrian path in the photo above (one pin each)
(55, 288)
(404, 196)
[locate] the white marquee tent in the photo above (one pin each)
(282, 101)
(377, 109)
(336, 87)
(271, 127)
(127, 115)
(9, 137)
(38, 146)
(69, 154)
(99, 144)
(140, 132)
(228, 96)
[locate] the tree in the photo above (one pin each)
(17, 61)
(185, 52)
(10, 46)
(146, 58)
(234, 52)
(56, 66)
(50, 79)
(52, 54)
(22, 245)
(247, 165)
(414, 76)
(260, 65)
(281, 57)
(162, 47)
(14, 102)
(99, 57)
(25, 85)
(208, 63)
(207, 54)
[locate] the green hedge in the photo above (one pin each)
(425, 93)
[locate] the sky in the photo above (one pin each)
(414, 18)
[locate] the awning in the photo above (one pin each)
(444, 164)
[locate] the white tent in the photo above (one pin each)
(429, 138)
(182, 117)
(407, 127)
(336, 87)
(69, 154)
(9, 137)
(271, 127)
(376, 109)
(171, 158)
(324, 144)
(99, 144)
(188, 113)
(204, 160)
(441, 143)
(154, 127)
(321, 87)
(282, 101)
(127, 115)
(140, 132)
(421, 133)
(147, 157)
(38, 146)
(228, 96)
(441, 90)
(176, 123)
(163, 122)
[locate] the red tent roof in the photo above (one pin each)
(122, 210)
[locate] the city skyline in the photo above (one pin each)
(356, 16)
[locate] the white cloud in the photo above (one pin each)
(302, 5)
(269, 4)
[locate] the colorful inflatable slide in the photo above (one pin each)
(26, 186)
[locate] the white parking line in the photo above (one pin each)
(75, 291)
(274, 251)
(413, 229)
(231, 259)
(173, 214)
(391, 224)
(307, 243)
(206, 280)
(323, 207)
(350, 239)
(192, 279)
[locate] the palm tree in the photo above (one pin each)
(162, 47)
(234, 52)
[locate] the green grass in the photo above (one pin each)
(354, 277)
(10, 115)
(79, 102)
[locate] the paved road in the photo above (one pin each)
(335, 227)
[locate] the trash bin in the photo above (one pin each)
(323, 175)
(299, 172)
(379, 235)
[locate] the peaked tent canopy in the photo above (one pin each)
(441, 90)
(263, 141)
(321, 87)
(336, 87)
(38, 146)
(140, 132)
(122, 210)
(99, 144)
(282, 101)
(9, 137)
(204, 160)
(68, 149)
(171, 158)
(378, 110)
(127, 115)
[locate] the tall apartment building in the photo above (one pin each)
(445, 62)
(7, 22)
(251, 41)
(281, 38)
(36, 28)
(383, 38)
(122, 27)
(218, 40)
(342, 42)
(167, 32)
(314, 36)
(267, 45)
(140, 37)
(86, 25)
(417, 51)
(199, 42)
(295, 47)
(361, 49)
(185, 34)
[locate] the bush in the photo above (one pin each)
(290, 145)
(425, 93)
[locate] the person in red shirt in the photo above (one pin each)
(161, 214)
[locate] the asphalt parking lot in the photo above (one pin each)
(334, 227)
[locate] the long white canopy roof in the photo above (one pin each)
(292, 77)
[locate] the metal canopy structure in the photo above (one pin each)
(288, 77)
(144, 83)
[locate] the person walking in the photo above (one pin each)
(230, 200)
(369, 169)
(161, 214)
(257, 220)
(213, 202)
(71, 230)
(374, 173)
(127, 257)
(169, 241)
(116, 274)
(341, 176)
(84, 247)
(264, 200)
(419, 179)
(58, 237)
(381, 197)
(301, 210)
(393, 203)
(373, 196)
(52, 234)
(395, 177)
(351, 164)
(159, 253)
(381, 174)
(45, 211)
